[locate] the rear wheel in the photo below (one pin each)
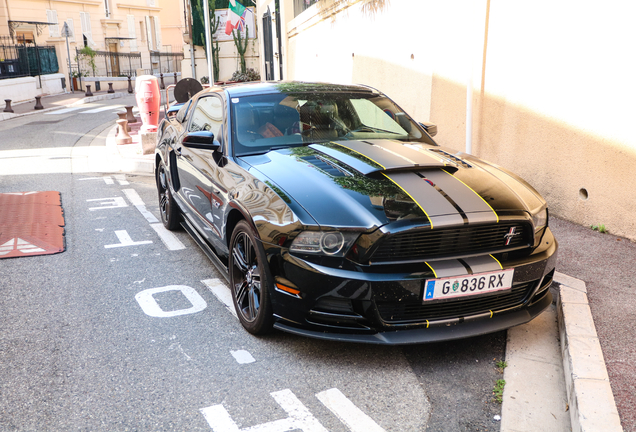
(249, 281)
(167, 206)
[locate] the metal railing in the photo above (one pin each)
(166, 62)
(111, 64)
(26, 59)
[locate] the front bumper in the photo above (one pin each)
(384, 306)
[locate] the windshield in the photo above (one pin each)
(267, 122)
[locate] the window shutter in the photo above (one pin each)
(71, 37)
(157, 33)
(132, 33)
(149, 33)
(51, 16)
(85, 20)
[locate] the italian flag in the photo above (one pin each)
(233, 16)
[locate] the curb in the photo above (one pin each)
(590, 397)
(132, 160)
(7, 116)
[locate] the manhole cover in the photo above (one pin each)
(31, 223)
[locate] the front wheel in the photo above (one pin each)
(249, 281)
(167, 206)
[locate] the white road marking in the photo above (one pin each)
(19, 245)
(150, 306)
(63, 111)
(108, 203)
(108, 180)
(136, 200)
(168, 238)
(121, 179)
(347, 412)
(242, 356)
(103, 108)
(221, 292)
(133, 197)
(125, 240)
(299, 417)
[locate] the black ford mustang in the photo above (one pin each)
(333, 214)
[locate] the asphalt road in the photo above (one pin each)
(123, 331)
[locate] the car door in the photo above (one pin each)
(199, 171)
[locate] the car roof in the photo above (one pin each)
(272, 87)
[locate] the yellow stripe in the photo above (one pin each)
(500, 266)
(426, 323)
(429, 266)
(418, 204)
(491, 314)
(493, 210)
(348, 148)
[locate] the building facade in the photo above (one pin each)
(127, 37)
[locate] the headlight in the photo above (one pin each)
(332, 243)
(540, 219)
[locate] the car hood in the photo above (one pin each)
(371, 183)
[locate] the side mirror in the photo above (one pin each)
(430, 128)
(201, 140)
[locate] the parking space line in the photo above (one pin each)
(167, 237)
(300, 418)
(221, 292)
(347, 412)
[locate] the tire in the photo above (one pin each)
(167, 206)
(250, 282)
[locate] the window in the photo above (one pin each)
(107, 8)
(208, 115)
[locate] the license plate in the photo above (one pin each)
(461, 286)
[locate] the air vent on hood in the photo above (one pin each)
(327, 166)
(452, 158)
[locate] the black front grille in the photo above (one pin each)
(462, 307)
(447, 242)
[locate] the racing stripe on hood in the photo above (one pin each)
(436, 207)
(391, 155)
(444, 198)
(476, 208)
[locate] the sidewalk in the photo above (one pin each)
(57, 101)
(596, 311)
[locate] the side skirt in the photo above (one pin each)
(205, 248)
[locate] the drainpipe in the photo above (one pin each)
(469, 112)
(208, 43)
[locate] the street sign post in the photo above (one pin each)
(66, 32)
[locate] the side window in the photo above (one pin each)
(207, 115)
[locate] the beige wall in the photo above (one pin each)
(553, 87)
